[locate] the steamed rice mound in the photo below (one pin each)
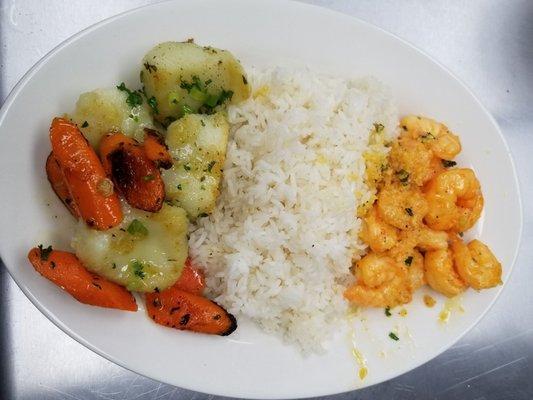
(279, 246)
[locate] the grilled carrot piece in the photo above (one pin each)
(191, 280)
(84, 176)
(156, 149)
(134, 174)
(66, 271)
(57, 180)
(178, 309)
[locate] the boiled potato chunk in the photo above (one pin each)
(185, 77)
(146, 251)
(198, 146)
(107, 110)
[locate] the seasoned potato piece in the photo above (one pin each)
(110, 110)
(145, 252)
(185, 77)
(198, 145)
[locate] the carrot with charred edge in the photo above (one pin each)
(84, 176)
(178, 309)
(57, 180)
(156, 149)
(191, 280)
(66, 271)
(134, 174)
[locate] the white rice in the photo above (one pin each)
(279, 245)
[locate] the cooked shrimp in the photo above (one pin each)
(455, 200)
(429, 239)
(379, 235)
(443, 143)
(476, 264)
(413, 161)
(381, 282)
(440, 273)
(401, 206)
(413, 261)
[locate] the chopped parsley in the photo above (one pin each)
(148, 177)
(403, 176)
(211, 165)
(134, 96)
(152, 102)
(244, 80)
(138, 268)
(202, 122)
(186, 167)
(179, 186)
(114, 266)
(150, 67)
(44, 252)
(186, 109)
(448, 163)
(387, 312)
(393, 336)
(409, 211)
(197, 90)
(85, 124)
(137, 228)
(427, 137)
(379, 127)
(408, 261)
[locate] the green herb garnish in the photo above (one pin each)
(186, 109)
(149, 177)
(152, 102)
(427, 137)
(387, 312)
(136, 227)
(150, 67)
(393, 336)
(134, 96)
(44, 252)
(186, 167)
(379, 127)
(448, 163)
(408, 261)
(403, 176)
(197, 90)
(179, 186)
(211, 165)
(409, 211)
(138, 268)
(85, 124)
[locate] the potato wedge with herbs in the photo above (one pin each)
(198, 146)
(112, 110)
(181, 78)
(146, 251)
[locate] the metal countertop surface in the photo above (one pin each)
(488, 44)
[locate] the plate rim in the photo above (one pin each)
(50, 315)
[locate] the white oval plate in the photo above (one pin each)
(248, 363)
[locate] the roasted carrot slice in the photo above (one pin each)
(191, 280)
(156, 149)
(134, 174)
(178, 309)
(59, 185)
(84, 176)
(66, 271)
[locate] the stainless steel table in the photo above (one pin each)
(487, 43)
